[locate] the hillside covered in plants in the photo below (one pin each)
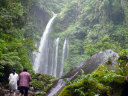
(90, 26)
(93, 26)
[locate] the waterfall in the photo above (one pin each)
(64, 55)
(59, 85)
(50, 56)
(52, 59)
(56, 57)
(41, 61)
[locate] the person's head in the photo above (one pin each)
(13, 71)
(25, 69)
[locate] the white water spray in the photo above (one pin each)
(64, 55)
(41, 61)
(56, 57)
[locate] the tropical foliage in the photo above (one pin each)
(93, 26)
(102, 82)
(90, 26)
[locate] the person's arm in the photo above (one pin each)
(30, 79)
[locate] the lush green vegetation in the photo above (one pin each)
(90, 25)
(93, 26)
(21, 25)
(41, 83)
(102, 82)
(14, 47)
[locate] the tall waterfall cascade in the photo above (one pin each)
(64, 56)
(41, 63)
(56, 57)
(46, 60)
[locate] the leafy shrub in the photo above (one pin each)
(101, 82)
(42, 82)
(38, 85)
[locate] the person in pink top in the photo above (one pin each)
(24, 79)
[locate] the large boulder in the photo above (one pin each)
(87, 66)
(107, 58)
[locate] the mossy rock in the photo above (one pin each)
(89, 88)
(99, 83)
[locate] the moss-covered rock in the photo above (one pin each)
(102, 82)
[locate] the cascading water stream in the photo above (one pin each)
(52, 59)
(56, 57)
(64, 55)
(59, 85)
(41, 61)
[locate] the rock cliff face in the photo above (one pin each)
(88, 66)
(91, 64)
